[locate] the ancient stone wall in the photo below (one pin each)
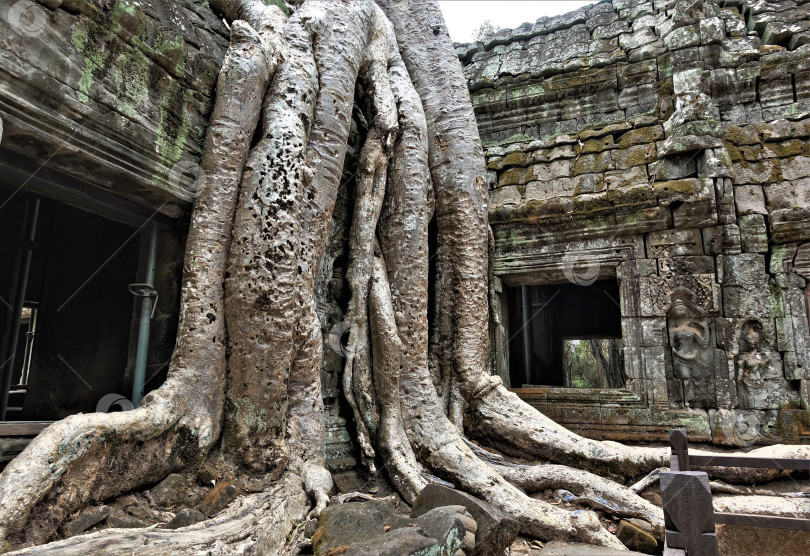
(113, 93)
(666, 144)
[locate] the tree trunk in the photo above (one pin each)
(264, 214)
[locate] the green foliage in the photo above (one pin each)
(484, 30)
(582, 370)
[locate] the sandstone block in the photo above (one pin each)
(749, 199)
(495, 530)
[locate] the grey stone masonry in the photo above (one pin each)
(675, 133)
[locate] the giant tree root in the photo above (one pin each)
(762, 505)
(421, 149)
(591, 490)
(254, 524)
(88, 458)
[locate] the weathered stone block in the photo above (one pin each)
(516, 176)
(762, 394)
(675, 167)
(554, 153)
(757, 172)
(743, 135)
(699, 264)
(546, 171)
(597, 144)
(674, 243)
(560, 187)
(495, 531)
(612, 30)
(635, 156)
(745, 269)
(640, 95)
(641, 136)
(654, 332)
(625, 178)
(714, 163)
(796, 168)
(783, 149)
(749, 199)
(777, 92)
(505, 196)
(683, 190)
(654, 361)
(593, 163)
(712, 30)
(683, 144)
(683, 37)
(760, 301)
(722, 240)
(638, 38)
(515, 159)
(589, 183)
(753, 233)
(695, 214)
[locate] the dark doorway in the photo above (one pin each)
(543, 318)
(73, 329)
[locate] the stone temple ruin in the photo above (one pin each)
(650, 181)
(649, 171)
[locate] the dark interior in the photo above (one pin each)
(76, 283)
(552, 313)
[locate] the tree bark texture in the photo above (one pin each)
(259, 231)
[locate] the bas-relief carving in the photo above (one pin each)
(758, 370)
(699, 289)
(691, 341)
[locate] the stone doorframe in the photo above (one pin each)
(582, 263)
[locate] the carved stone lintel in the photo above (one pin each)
(700, 289)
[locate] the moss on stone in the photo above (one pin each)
(517, 158)
(595, 145)
(174, 124)
(786, 148)
(635, 156)
(510, 177)
(641, 136)
(679, 187)
(495, 163)
(89, 39)
(734, 153)
(742, 136)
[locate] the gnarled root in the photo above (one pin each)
(88, 458)
(591, 490)
(504, 421)
(257, 524)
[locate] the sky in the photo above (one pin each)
(464, 17)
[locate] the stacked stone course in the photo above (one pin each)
(668, 143)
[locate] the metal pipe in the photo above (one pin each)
(29, 346)
(527, 334)
(146, 291)
(9, 348)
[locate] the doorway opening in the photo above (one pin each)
(65, 310)
(566, 335)
(594, 363)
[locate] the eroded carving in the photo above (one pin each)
(692, 356)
